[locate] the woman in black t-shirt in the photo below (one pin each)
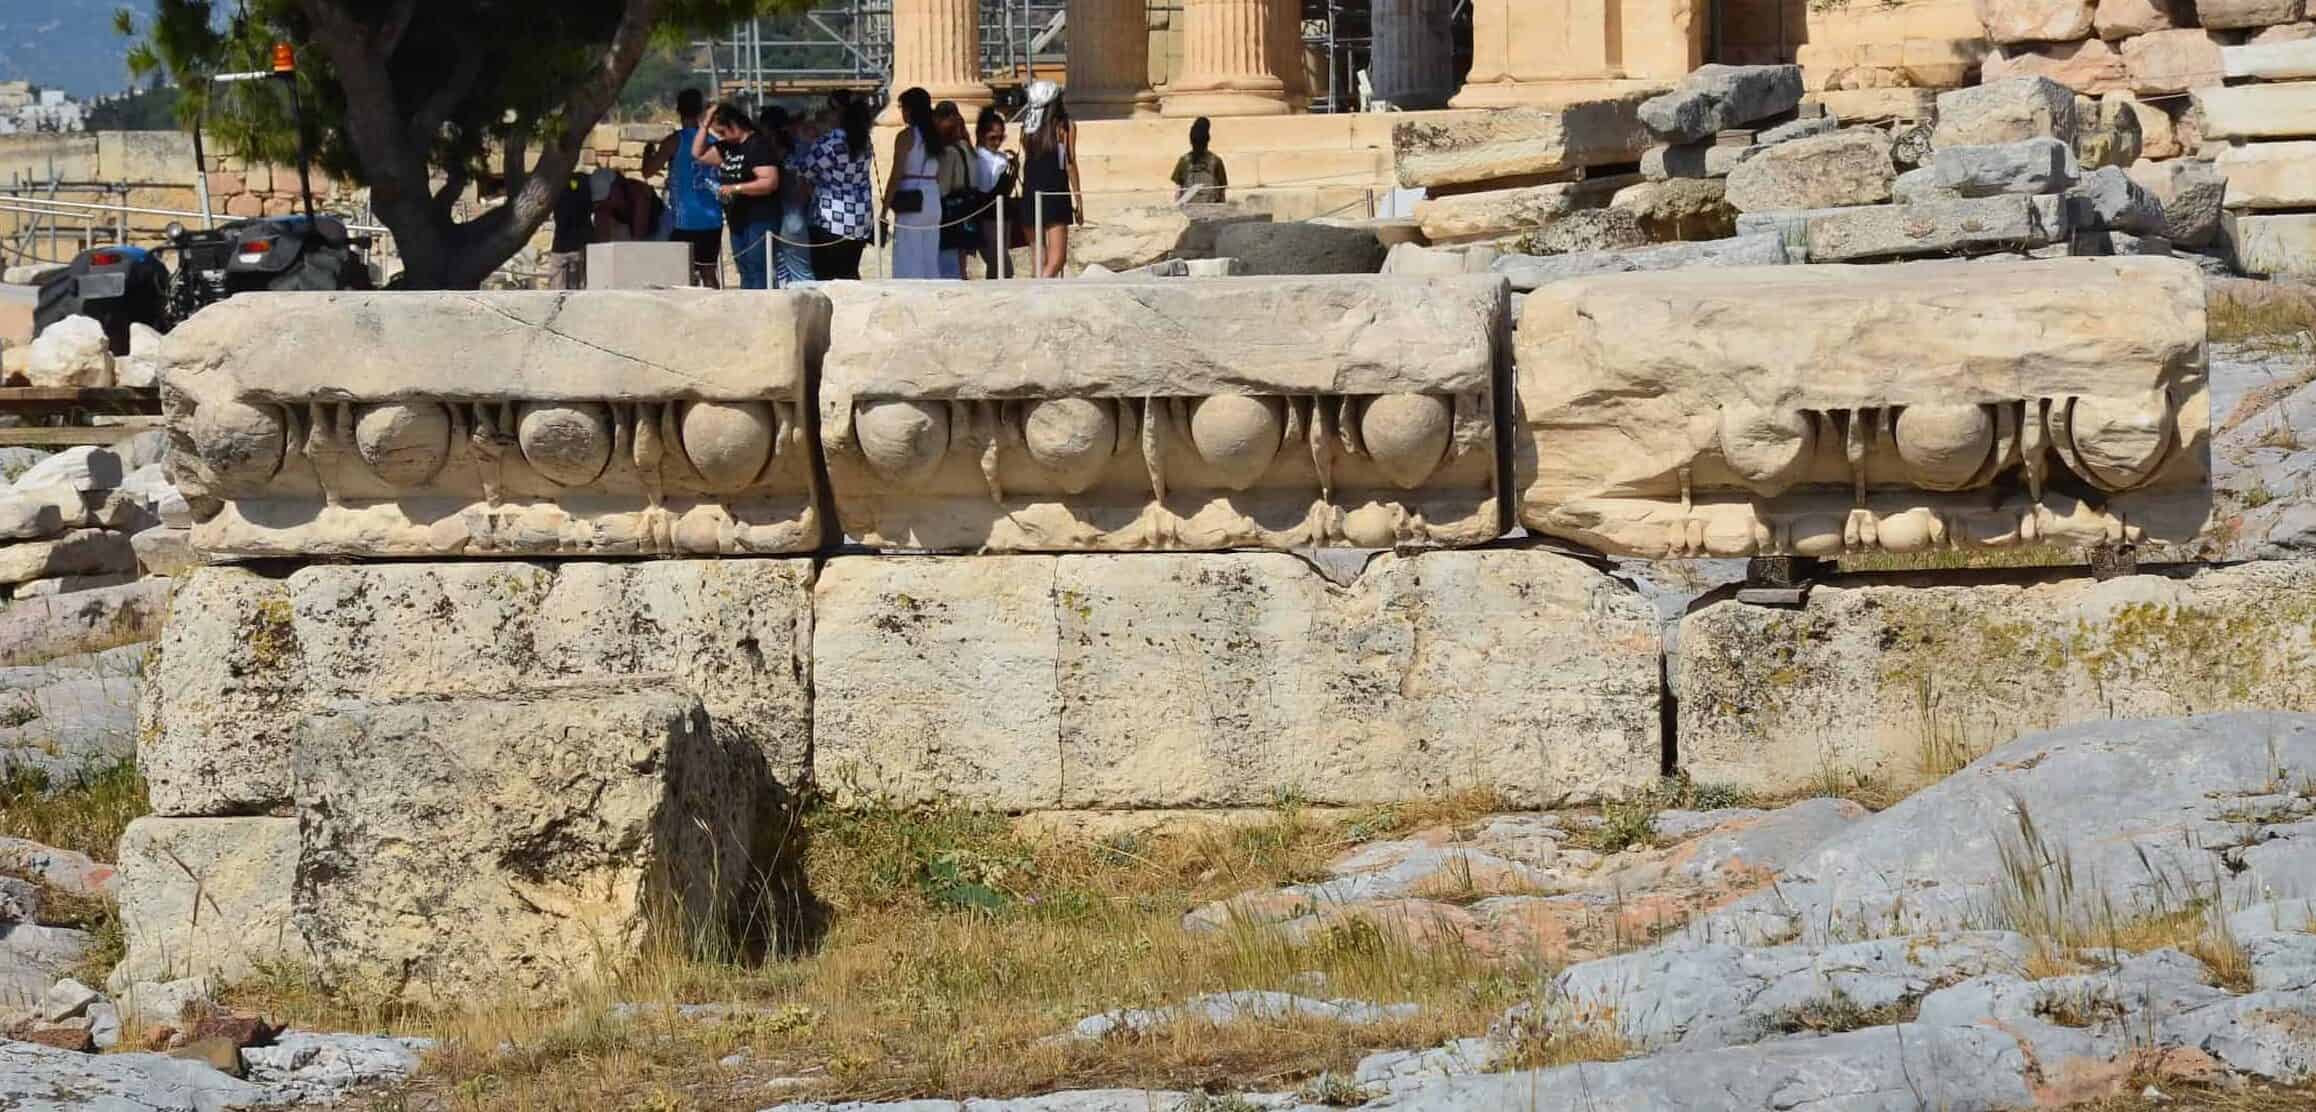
(748, 176)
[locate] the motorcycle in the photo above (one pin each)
(119, 285)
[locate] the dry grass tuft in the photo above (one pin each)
(959, 947)
(2065, 915)
(1565, 1046)
(85, 816)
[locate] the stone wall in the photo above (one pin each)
(1124, 552)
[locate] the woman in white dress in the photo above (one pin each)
(916, 163)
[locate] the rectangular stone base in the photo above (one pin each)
(515, 844)
(1025, 683)
(1903, 681)
(245, 657)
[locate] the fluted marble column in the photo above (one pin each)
(1109, 43)
(1228, 64)
(1290, 62)
(1415, 53)
(937, 45)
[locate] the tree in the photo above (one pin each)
(418, 99)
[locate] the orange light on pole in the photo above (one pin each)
(285, 60)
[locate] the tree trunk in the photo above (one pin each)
(437, 251)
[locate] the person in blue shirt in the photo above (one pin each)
(691, 190)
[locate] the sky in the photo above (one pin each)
(65, 44)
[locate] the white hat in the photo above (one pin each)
(600, 182)
(1042, 97)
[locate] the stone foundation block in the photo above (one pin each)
(206, 898)
(247, 657)
(1029, 683)
(518, 844)
(1903, 681)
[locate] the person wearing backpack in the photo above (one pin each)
(1199, 175)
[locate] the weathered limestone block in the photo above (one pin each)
(2028, 166)
(2285, 111)
(206, 898)
(1151, 681)
(1907, 680)
(2191, 193)
(2005, 112)
(1461, 148)
(517, 844)
(1527, 272)
(2120, 131)
(1499, 213)
(498, 424)
(2269, 176)
(2109, 199)
(2017, 21)
(1818, 410)
(35, 630)
(2173, 61)
(247, 657)
(2282, 60)
(1849, 167)
(2279, 244)
(1956, 227)
(2091, 66)
(2247, 13)
(2121, 19)
(1270, 412)
(80, 552)
(1715, 97)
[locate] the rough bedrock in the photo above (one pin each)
(1284, 412)
(1467, 147)
(247, 656)
(2159, 811)
(1027, 683)
(1686, 413)
(206, 898)
(521, 843)
(1902, 682)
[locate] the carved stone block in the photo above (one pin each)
(670, 422)
(1028, 682)
(1813, 411)
(1256, 413)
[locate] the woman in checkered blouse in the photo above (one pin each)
(843, 207)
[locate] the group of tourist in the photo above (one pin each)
(956, 195)
(795, 192)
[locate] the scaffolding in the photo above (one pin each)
(848, 44)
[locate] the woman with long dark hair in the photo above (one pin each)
(1050, 174)
(912, 190)
(843, 211)
(995, 176)
(748, 173)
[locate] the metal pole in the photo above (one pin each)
(305, 147)
(201, 178)
(1037, 238)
